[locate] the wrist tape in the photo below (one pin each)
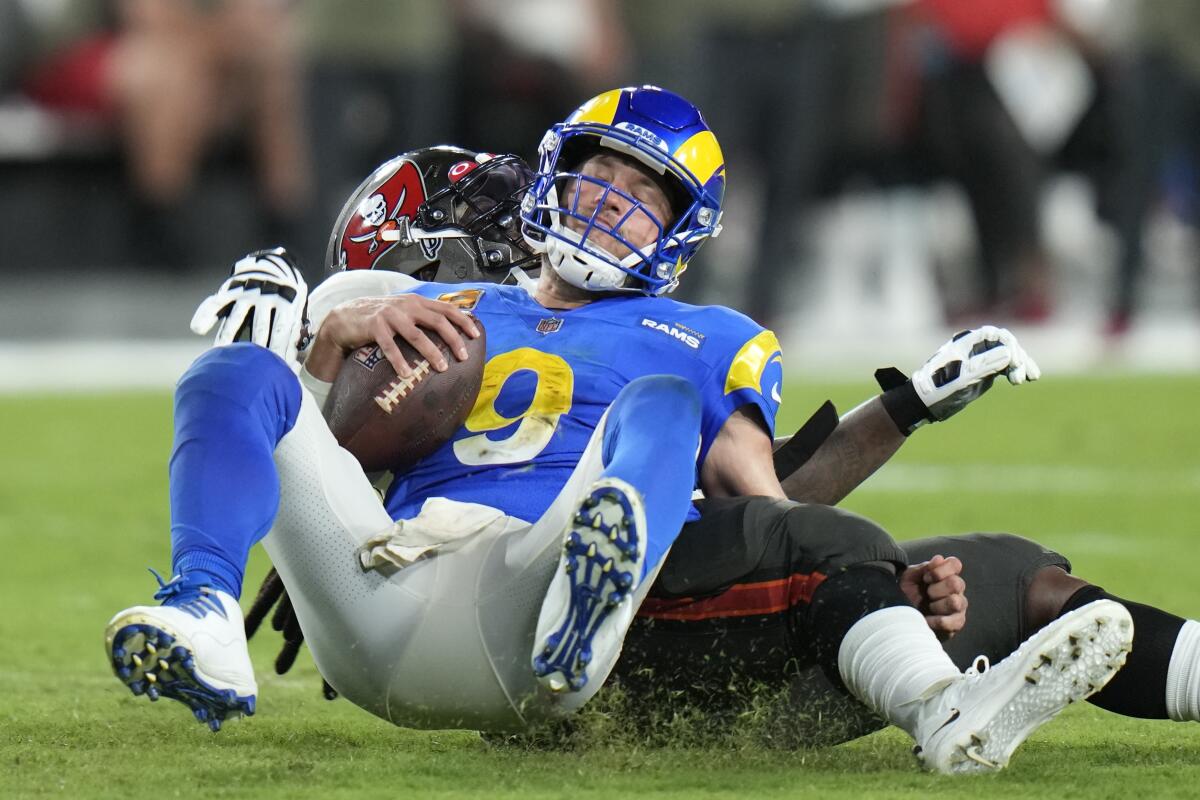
(901, 401)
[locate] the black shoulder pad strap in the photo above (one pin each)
(792, 454)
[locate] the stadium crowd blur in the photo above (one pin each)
(173, 135)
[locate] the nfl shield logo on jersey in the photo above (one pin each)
(549, 325)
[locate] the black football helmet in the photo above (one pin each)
(439, 214)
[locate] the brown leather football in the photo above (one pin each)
(388, 422)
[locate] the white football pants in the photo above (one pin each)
(443, 643)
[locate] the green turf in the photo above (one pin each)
(1106, 470)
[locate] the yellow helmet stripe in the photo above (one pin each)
(702, 155)
(601, 109)
(747, 368)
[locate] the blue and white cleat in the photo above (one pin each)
(192, 649)
(975, 723)
(587, 607)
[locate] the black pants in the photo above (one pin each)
(722, 629)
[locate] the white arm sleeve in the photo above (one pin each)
(318, 388)
(352, 284)
(339, 288)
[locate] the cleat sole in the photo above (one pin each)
(597, 558)
(136, 648)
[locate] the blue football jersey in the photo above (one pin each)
(550, 375)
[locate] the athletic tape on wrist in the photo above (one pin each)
(901, 401)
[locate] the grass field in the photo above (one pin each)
(1106, 470)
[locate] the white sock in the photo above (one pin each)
(1183, 675)
(889, 659)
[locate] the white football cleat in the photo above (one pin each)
(975, 723)
(587, 607)
(191, 649)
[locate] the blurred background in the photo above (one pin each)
(897, 169)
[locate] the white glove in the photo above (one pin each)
(963, 369)
(263, 300)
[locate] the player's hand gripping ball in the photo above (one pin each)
(389, 422)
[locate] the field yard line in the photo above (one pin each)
(102, 677)
(1166, 345)
(76, 366)
(1170, 347)
(1097, 542)
(26, 677)
(1029, 479)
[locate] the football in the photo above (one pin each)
(389, 422)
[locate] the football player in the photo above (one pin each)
(726, 584)
(494, 583)
(728, 587)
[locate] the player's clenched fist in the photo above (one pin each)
(936, 588)
(379, 320)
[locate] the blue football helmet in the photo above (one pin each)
(660, 130)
